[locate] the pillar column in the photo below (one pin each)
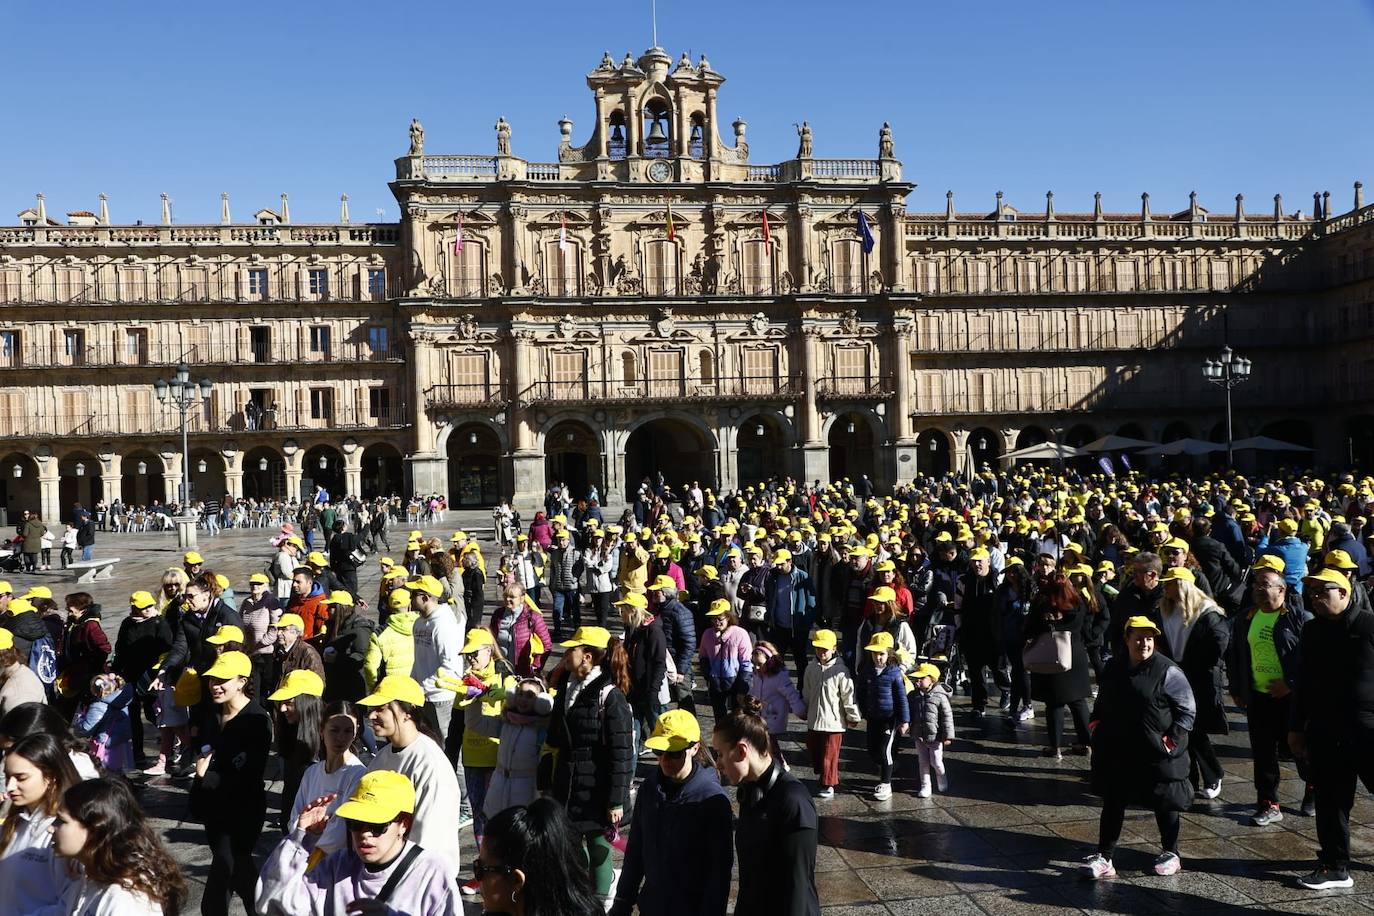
(527, 464)
(353, 471)
(294, 472)
(111, 478)
(804, 271)
(895, 224)
(49, 500)
(727, 458)
(815, 454)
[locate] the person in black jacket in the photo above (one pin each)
(27, 626)
(341, 547)
(681, 815)
(1219, 568)
(647, 648)
(228, 794)
(202, 615)
(1195, 637)
(777, 831)
(976, 604)
(1261, 683)
(591, 732)
(1141, 721)
(142, 639)
(681, 634)
(1057, 607)
(1138, 598)
(1331, 724)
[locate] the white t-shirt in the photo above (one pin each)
(31, 875)
(315, 783)
(436, 794)
(85, 898)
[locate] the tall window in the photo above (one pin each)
(376, 283)
(379, 403)
(708, 367)
(136, 346)
(629, 371)
(981, 395)
(851, 370)
(760, 370)
(665, 373)
(74, 347)
(470, 377)
(757, 260)
(568, 371)
(849, 267)
(930, 392)
(10, 352)
(260, 343)
(319, 282)
(322, 404)
(319, 341)
(76, 411)
(979, 276)
(9, 285)
(468, 273)
(1125, 275)
(560, 269)
(379, 340)
(660, 268)
(1032, 391)
(925, 275)
(195, 284)
(979, 332)
(257, 283)
(1076, 275)
(1221, 273)
(1028, 275)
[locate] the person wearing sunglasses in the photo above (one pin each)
(682, 815)
(381, 870)
(531, 864)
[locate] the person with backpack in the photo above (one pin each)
(84, 649)
(22, 620)
(391, 648)
(18, 684)
(142, 639)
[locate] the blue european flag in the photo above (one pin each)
(865, 234)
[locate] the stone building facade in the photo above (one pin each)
(654, 301)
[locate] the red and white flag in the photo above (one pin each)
(458, 238)
(766, 236)
(562, 232)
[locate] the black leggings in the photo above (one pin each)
(1079, 709)
(1204, 769)
(1114, 816)
(232, 870)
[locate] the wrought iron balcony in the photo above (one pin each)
(665, 390)
(466, 395)
(854, 388)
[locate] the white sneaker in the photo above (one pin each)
(1026, 714)
(942, 783)
(1212, 791)
(1168, 863)
(924, 791)
(883, 791)
(1098, 867)
(826, 792)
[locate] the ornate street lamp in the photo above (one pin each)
(184, 395)
(1227, 372)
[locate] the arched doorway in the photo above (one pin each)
(474, 466)
(985, 446)
(19, 488)
(1359, 441)
(1176, 464)
(323, 467)
(1031, 435)
(852, 440)
(760, 449)
(933, 453)
(572, 456)
(207, 475)
(1080, 435)
(78, 482)
(678, 450)
(141, 482)
(1295, 432)
(264, 474)
(383, 471)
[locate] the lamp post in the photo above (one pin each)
(184, 395)
(1227, 372)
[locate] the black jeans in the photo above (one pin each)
(882, 741)
(1268, 721)
(1337, 762)
(1020, 679)
(1079, 709)
(977, 658)
(231, 865)
(1114, 816)
(601, 604)
(1204, 769)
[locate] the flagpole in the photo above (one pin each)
(653, 4)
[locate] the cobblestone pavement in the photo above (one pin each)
(1004, 840)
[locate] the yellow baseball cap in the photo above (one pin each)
(926, 669)
(883, 593)
(633, 599)
(661, 582)
(427, 584)
(1288, 527)
(881, 642)
(825, 639)
(385, 562)
(296, 541)
(1338, 559)
(300, 682)
(340, 597)
(290, 620)
(477, 638)
(259, 579)
(707, 571)
(1330, 577)
(886, 566)
(677, 730)
(230, 664)
(21, 606)
(980, 554)
(38, 591)
(1178, 574)
(6, 588)
(781, 556)
(395, 687)
(379, 797)
(1174, 544)
(192, 558)
(221, 580)
(396, 572)
(1271, 562)
(315, 558)
(139, 600)
(226, 634)
(596, 637)
(1141, 623)
(6, 639)
(398, 599)
(718, 607)
(662, 551)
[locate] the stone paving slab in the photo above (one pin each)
(1004, 841)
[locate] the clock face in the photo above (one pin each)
(659, 170)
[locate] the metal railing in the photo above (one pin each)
(854, 387)
(466, 394)
(39, 356)
(164, 423)
(675, 388)
(287, 234)
(237, 287)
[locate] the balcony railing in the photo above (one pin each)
(854, 388)
(234, 288)
(466, 394)
(678, 389)
(165, 423)
(170, 354)
(298, 234)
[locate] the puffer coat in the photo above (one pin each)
(594, 753)
(932, 716)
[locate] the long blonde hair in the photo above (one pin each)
(1191, 603)
(173, 574)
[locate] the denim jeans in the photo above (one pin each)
(567, 611)
(88, 552)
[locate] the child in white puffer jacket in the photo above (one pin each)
(521, 728)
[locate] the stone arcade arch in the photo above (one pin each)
(853, 440)
(474, 466)
(677, 448)
(264, 473)
(572, 455)
(761, 449)
(323, 466)
(141, 479)
(933, 453)
(383, 471)
(78, 482)
(19, 488)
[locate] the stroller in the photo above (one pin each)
(11, 559)
(939, 644)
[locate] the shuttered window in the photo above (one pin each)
(849, 268)
(470, 378)
(14, 414)
(1032, 391)
(660, 268)
(568, 372)
(665, 373)
(560, 269)
(760, 369)
(851, 370)
(469, 271)
(758, 268)
(74, 413)
(1125, 275)
(9, 285)
(930, 392)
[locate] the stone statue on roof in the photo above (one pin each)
(804, 147)
(885, 141)
(502, 137)
(417, 137)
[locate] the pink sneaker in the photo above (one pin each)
(1098, 867)
(1168, 863)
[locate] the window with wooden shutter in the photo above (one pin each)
(14, 414)
(560, 269)
(1032, 391)
(379, 404)
(1028, 275)
(851, 370)
(197, 343)
(568, 373)
(469, 271)
(1076, 275)
(136, 407)
(1125, 274)
(707, 361)
(1221, 273)
(195, 285)
(849, 267)
(757, 262)
(660, 268)
(981, 395)
(932, 334)
(75, 412)
(930, 392)
(470, 379)
(71, 284)
(629, 371)
(9, 285)
(11, 349)
(979, 276)
(760, 369)
(665, 373)
(925, 275)
(979, 332)
(1175, 274)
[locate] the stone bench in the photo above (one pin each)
(92, 570)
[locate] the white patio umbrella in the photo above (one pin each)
(1045, 451)
(1187, 447)
(1116, 443)
(1267, 444)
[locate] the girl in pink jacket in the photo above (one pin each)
(774, 687)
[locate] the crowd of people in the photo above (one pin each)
(563, 723)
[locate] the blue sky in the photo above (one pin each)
(252, 98)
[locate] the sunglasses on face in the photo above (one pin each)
(364, 827)
(481, 869)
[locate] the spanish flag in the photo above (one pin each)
(672, 233)
(767, 238)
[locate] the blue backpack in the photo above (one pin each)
(43, 661)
